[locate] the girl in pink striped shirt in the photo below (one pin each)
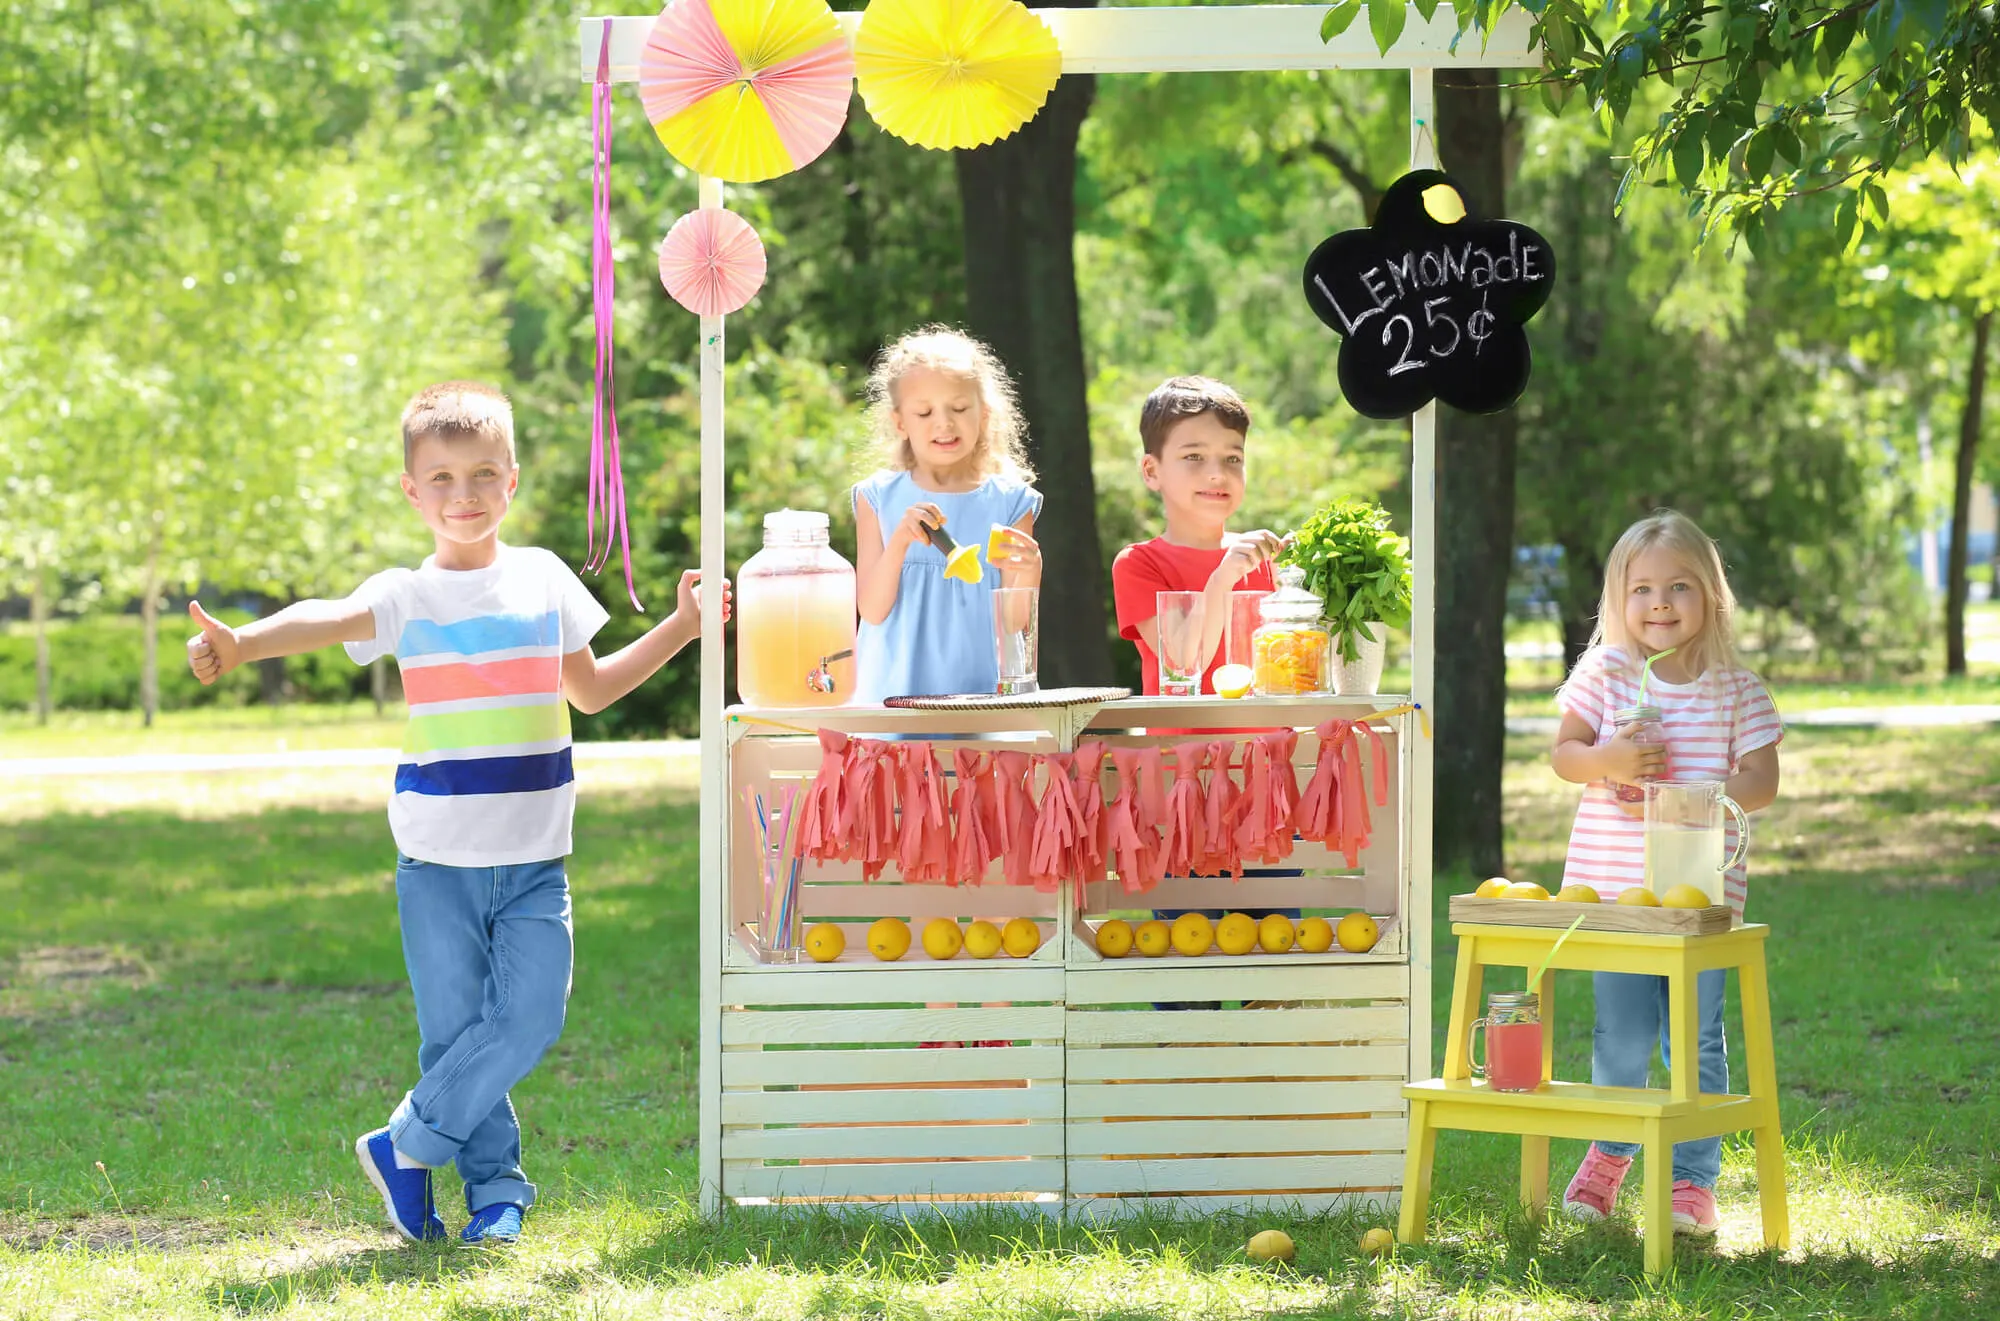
(1664, 590)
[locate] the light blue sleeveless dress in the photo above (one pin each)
(938, 637)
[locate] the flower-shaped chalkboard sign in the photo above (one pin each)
(1429, 302)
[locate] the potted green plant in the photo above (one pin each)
(1357, 564)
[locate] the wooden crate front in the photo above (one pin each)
(1296, 1101)
(828, 1095)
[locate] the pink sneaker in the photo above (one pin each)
(1594, 1191)
(1694, 1210)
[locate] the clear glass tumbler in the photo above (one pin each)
(1016, 638)
(1178, 623)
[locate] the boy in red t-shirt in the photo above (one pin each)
(1193, 430)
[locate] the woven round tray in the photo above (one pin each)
(997, 702)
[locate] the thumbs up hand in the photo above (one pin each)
(214, 651)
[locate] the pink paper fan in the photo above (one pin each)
(712, 262)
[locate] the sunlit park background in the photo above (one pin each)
(234, 237)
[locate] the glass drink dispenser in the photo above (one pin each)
(795, 617)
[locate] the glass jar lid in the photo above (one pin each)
(1644, 713)
(1291, 603)
(796, 527)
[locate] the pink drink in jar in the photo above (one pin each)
(1649, 730)
(1513, 1025)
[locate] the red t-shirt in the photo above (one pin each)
(1144, 570)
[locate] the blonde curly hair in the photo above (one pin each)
(1002, 446)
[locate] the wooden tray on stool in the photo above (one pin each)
(1711, 921)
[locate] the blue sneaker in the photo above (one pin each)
(498, 1223)
(406, 1194)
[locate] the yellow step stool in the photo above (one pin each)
(1655, 1118)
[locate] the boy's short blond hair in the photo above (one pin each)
(457, 408)
(1189, 396)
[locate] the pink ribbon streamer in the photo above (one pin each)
(607, 476)
(974, 841)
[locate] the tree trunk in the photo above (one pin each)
(1993, 582)
(1956, 578)
(1475, 494)
(38, 612)
(149, 639)
(1583, 587)
(1018, 196)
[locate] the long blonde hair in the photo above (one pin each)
(1001, 449)
(1714, 647)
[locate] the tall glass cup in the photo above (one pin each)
(1016, 638)
(1177, 622)
(1243, 621)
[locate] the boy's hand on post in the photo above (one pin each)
(214, 651)
(687, 600)
(1246, 552)
(910, 529)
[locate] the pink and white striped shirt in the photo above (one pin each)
(1710, 725)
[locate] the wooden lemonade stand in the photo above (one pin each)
(814, 1086)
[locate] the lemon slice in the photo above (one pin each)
(1233, 681)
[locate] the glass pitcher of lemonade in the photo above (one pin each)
(795, 617)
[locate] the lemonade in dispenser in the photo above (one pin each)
(795, 617)
(1289, 650)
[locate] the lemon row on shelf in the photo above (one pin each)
(1637, 896)
(1193, 935)
(889, 939)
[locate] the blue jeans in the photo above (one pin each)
(489, 954)
(1632, 1014)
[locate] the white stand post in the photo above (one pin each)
(1423, 637)
(715, 796)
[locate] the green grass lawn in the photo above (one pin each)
(199, 1012)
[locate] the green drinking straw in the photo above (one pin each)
(1535, 979)
(1646, 672)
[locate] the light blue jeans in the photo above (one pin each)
(1632, 1014)
(489, 955)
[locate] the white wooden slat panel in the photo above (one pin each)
(1220, 892)
(1379, 1023)
(890, 1106)
(1188, 1137)
(1198, 1063)
(916, 1179)
(1165, 40)
(1111, 1209)
(1307, 977)
(876, 1142)
(1249, 1174)
(810, 984)
(765, 1068)
(1225, 1099)
(1013, 1023)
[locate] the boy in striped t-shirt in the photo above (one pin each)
(494, 646)
(1665, 598)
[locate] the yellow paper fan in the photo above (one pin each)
(954, 73)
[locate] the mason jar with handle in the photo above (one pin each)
(1649, 729)
(795, 617)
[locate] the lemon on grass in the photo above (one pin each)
(982, 939)
(942, 939)
(1315, 935)
(825, 942)
(1233, 681)
(1114, 938)
(1357, 933)
(1236, 934)
(1524, 890)
(889, 939)
(1685, 896)
(1377, 1241)
(1638, 896)
(1153, 938)
(1020, 937)
(1492, 887)
(1578, 894)
(1192, 934)
(1271, 1245)
(1275, 933)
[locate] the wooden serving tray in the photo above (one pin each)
(1596, 917)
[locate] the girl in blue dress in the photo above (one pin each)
(952, 456)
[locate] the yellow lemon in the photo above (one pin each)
(1492, 887)
(1236, 934)
(1524, 890)
(941, 938)
(1357, 933)
(1192, 934)
(1443, 204)
(1685, 896)
(1021, 937)
(1233, 680)
(1114, 938)
(1638, 896)
(1315, 935)
(825, 942)
(889, 939)
(1377, 1241)
(1578, 894)
(1272, 1245)
(982, 939)
(1275, 934)
(1153, 938)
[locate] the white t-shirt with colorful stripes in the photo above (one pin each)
(1710, 725)
(485, 779)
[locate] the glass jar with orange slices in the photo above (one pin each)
(1289, 650)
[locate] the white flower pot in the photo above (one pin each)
(1364, 673)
